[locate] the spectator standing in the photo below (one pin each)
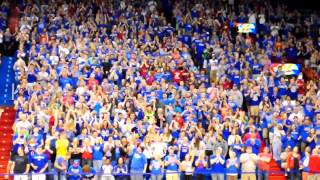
(172, 163)
(138, 164)
(314, 168)
(75, 171)
(201, 164)
(220, 142)
(86, 151)
(156, 168)
(232, 166)
(75, 151)
(248, 164)
(88, 173)
(60, 168)
(217, 162)
(264, 164)
(21, 165)
(39, 164)
(305, 163)
(62, 145)
(187, 167)
(107, 170)
(97, 155)
(121, 170)
(294, 164)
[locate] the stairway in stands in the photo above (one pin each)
(7, 113)
(276, 172)
(6, 121)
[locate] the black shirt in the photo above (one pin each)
(296, 163)
(21, 163)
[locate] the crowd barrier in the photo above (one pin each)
(203, 172)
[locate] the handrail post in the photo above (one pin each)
(12, 91)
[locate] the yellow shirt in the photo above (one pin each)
(150, 117)
(62, 147)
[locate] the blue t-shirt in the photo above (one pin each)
(232, 168)
(173, 166)
(217, 167)
(64, 81)
(184, 149)
(74, 172)
(255, 146)
(282, 90)
(39, 160)
(236, 79)
(31, 78)
(288, 141)
(256, 68)
(97, 152)
(308, 110)
(138, 162)
(267, 120)
(304, 132)
(237, 148)
(255, 100)
(156, 167)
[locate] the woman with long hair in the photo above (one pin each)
(20, 165)
(86, 151)
(75, 151)
(232, 166)
(187, 166)
(156, 168)
(201, 164)
(294, 164)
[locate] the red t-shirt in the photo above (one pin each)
(91, 83)
(290, 160)
(248, 136)
(301, 89)
(150, 80)
(177, 76)
(51, 121)
(144, 70)
(314, 162)
(265, 166)
(227, 85)
(87, 154)
(180, 121)
(68, 100)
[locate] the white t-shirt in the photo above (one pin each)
(249, 162)
(252, 18)
(159, 148)
(262, 19)
(1, 38)
(107, 170)
(213, 64)
(24, 124)
(43, 76)
(54, 59)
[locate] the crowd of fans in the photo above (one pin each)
(114, 89)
